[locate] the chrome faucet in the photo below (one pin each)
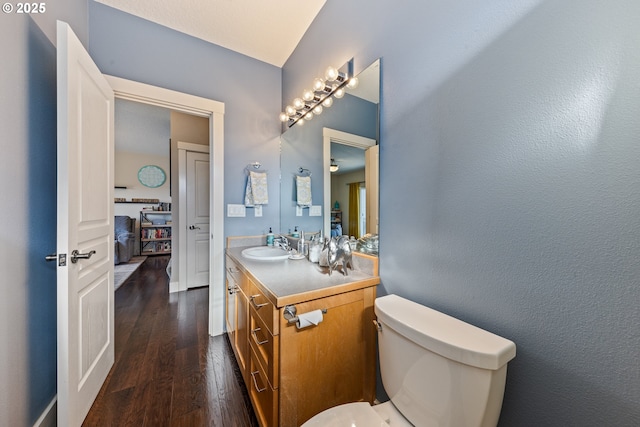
(282, 242)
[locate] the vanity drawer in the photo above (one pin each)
(265, 345)
(232, 269)
(263, 307)
(263, 396)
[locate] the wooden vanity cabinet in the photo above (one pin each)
(230, 299)
(237, 305)
(292, 374)
(329, 364)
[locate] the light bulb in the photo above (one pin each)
(331, 74)
(290, 111)
(317, 110)
(353, 83)
(339, 93)
(300, 122)
(298, 104)
(308, 116)
(307, 95)
(328, 102)
(284, 117)
(318, 84)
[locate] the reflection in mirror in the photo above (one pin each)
(349, 203)
(353, 117)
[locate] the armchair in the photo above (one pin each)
(125, 238)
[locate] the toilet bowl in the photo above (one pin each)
(432, 365)
(360, 414)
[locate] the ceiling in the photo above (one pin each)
(265, 30)
(349, 159)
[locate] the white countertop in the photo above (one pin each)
(294, 281)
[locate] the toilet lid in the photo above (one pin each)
(359, 414)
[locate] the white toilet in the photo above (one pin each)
(438, 371)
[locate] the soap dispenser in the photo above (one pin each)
(295, 233)
(270, 237)
(302, 245)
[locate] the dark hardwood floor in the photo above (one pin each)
(168, 371)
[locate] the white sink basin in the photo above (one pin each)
(265, 253)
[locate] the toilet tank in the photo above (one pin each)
(438, 370)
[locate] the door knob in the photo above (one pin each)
(76, 255)
(194, 227)
(62, 259)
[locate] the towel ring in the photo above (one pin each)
(303, 171)
(254, 165)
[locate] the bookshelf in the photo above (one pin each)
(155, 232)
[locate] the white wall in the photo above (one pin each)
(127, 165)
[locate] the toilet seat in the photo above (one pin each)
(359, 414)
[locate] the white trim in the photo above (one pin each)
(174, 286)
(48, 418)
(328, 136)
(216, 226)
(182, 208)
(190, 146)
(350, 139)
(154, 95)
(214, 110)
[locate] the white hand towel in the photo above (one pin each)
(303, 193)
(311, 318)
(256, 190)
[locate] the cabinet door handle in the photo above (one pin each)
(255, 383)
(255, 336)
(254, 304)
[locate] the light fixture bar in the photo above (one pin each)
(321, 95)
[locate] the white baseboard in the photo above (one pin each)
(174, 287)
(49, 418)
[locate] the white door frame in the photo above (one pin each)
(183, 147)
(214, 110)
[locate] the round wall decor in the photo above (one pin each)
(151, 176)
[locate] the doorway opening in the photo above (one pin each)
(149, 136)
(214, 112)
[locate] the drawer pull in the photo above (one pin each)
(233, 270)
(255, 383)
(254, 304)
(255, 336)
(232, 289)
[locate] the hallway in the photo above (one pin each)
(168, 371)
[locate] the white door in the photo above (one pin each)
(372, 179)
(197, 219)
(85, 224)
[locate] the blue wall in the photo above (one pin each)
(130, 47)
(510, 186)
(28, 174)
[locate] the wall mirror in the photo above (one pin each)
(344, 132)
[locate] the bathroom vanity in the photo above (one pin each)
(292, 374)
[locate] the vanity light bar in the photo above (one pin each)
(321, 96)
